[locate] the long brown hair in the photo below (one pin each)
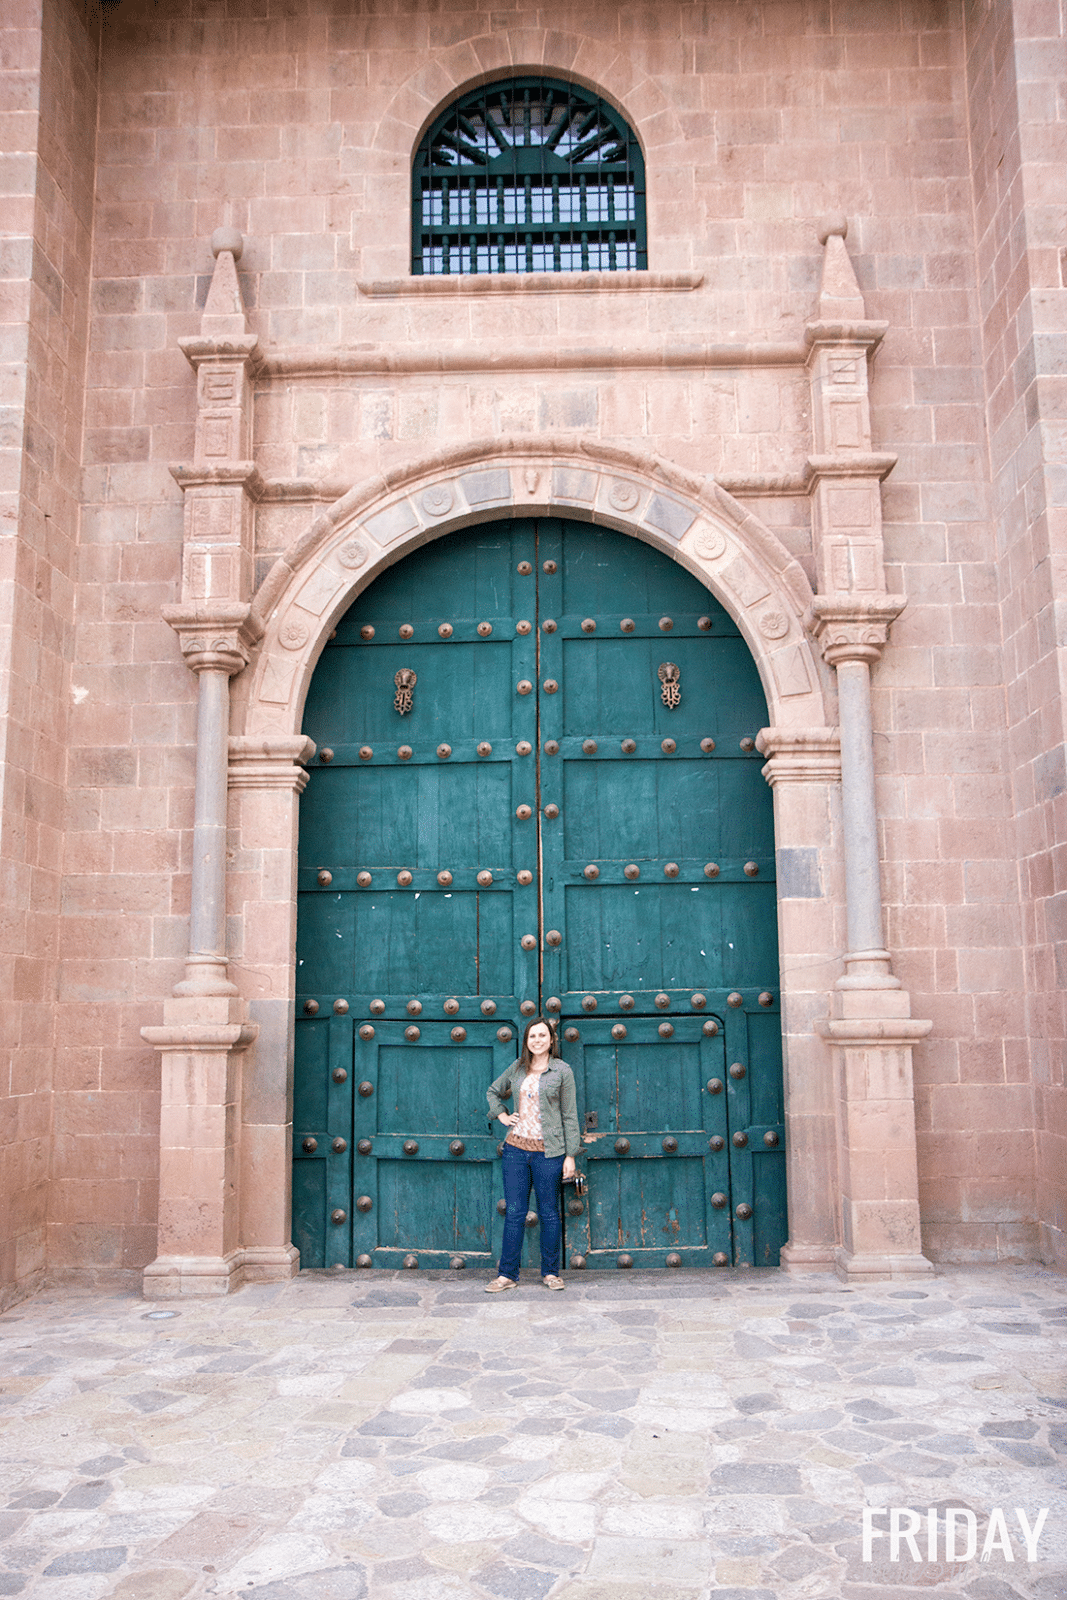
(525, 1055)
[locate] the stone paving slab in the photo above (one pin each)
(402, 1436)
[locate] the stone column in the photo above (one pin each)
(206, 1028)
(804, 768)
(205, 1022)
(870, 1030)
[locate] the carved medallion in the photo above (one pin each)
(710, 544)
(352, 554)
(623, 496)
(773, 625)
(437, 499)
(294, 634)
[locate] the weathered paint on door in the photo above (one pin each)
(570, 816)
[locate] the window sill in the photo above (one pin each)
(518, 283)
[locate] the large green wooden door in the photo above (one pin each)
(570, 816)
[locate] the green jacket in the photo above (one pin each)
(559, 1105)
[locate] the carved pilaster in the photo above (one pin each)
(221, 484)
(871, 1031)
(844, 471)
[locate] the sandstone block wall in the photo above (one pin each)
(48, 76)
(1016, 67)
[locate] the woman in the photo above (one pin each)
(541, 1144)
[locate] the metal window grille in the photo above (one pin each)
(528, 175)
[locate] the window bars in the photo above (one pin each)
(528, 175)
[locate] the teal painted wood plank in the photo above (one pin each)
(428, 1089)
(311, 1080)
(650, 935)
(499, 933)
(749, 933)
(428, 1206)
(309, 1212)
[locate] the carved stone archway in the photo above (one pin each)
(691, 519)
(378, 523)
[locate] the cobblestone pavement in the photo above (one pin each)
(402, 1436)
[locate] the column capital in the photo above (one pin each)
(852, 627)
(800, 755)
(216, 637)
(275, 761)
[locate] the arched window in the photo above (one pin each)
(528, 175)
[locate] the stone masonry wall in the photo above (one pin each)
(295, 122)
(48, 83)
(1017, 59)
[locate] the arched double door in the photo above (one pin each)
(537, 789)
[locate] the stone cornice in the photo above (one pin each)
(868, 334)
(228, 473)
(198, 348)
(861, 464)
(198, 1036)
(396, 360)
(476, 286)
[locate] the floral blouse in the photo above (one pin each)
(527, 1133)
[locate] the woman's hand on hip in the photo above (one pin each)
(568, 1166)
(508, 1118)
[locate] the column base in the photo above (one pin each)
(193, 1277)
(270, 1263)
(210, 1277)
(877, 1268)
(806, 1259)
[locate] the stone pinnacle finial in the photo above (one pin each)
(224, 312)
(840, 299)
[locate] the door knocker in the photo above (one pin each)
(405, 681)
(671, 679)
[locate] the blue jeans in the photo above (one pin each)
(521, 1168)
